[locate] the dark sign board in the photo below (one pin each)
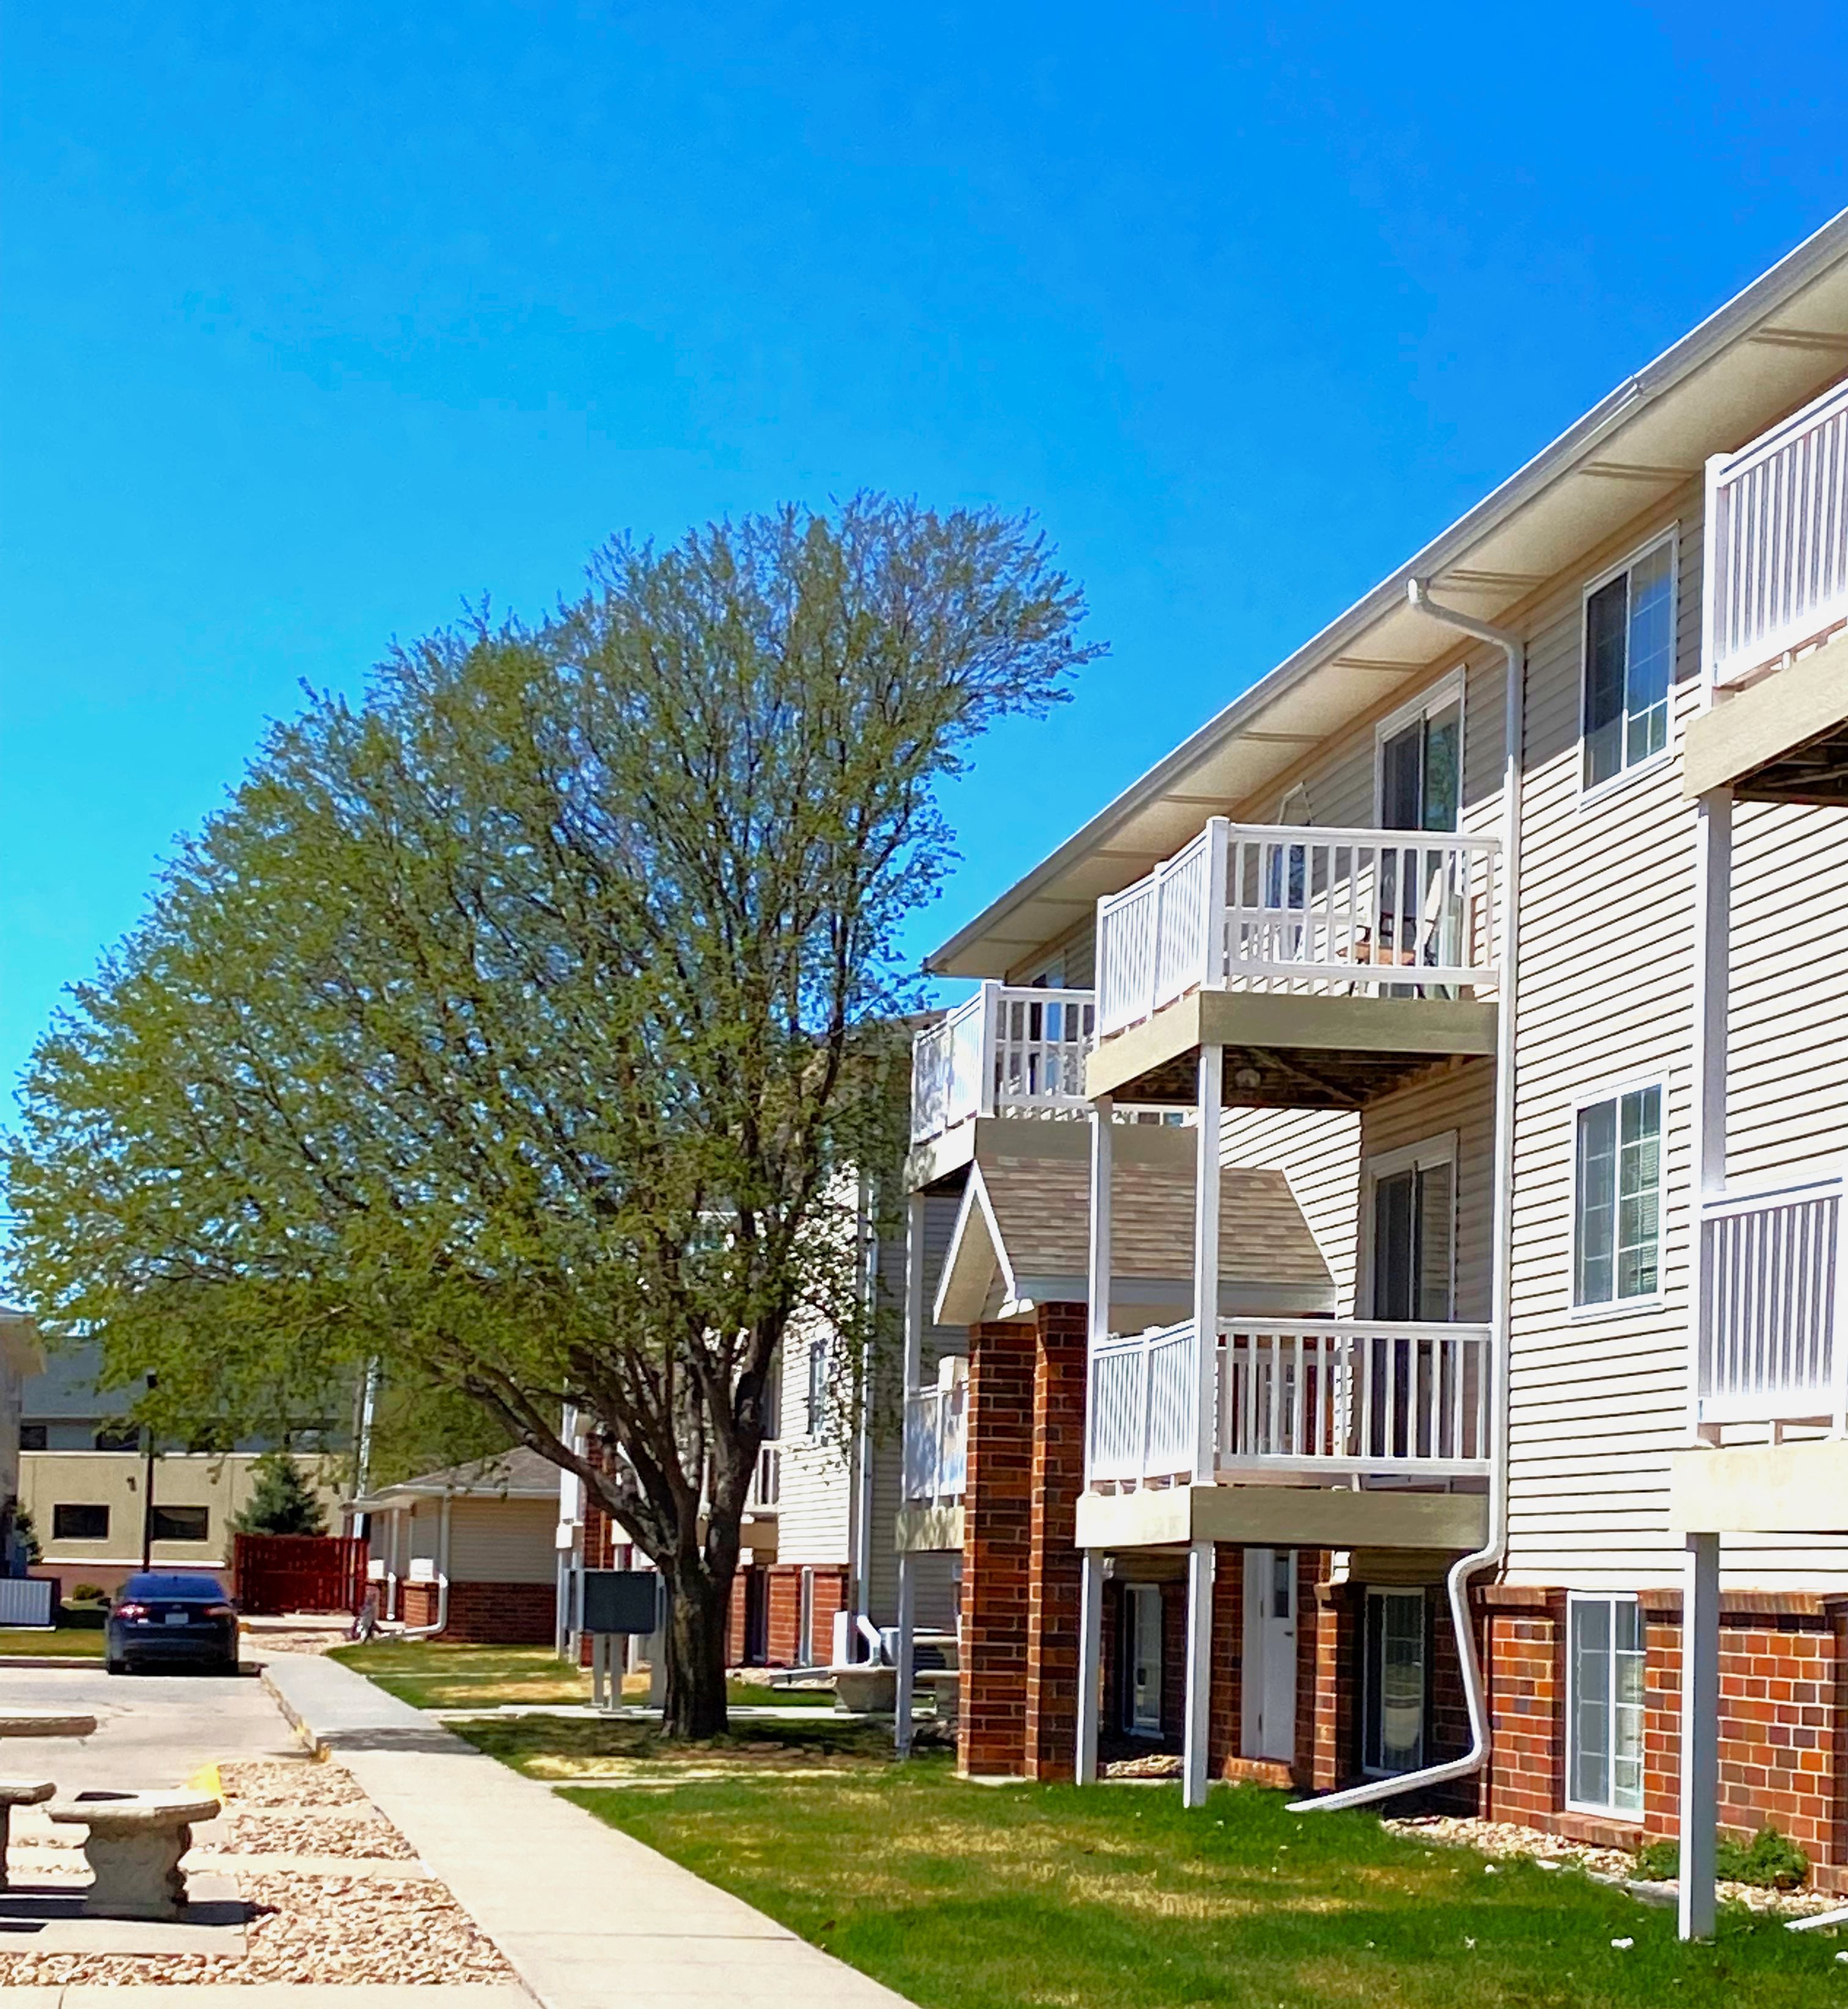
(621, 1601)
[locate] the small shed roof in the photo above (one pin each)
(519, 1474)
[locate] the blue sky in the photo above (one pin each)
(320, 321)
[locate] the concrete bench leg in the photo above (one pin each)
(137, 1872)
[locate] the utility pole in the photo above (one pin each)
(148, 1493)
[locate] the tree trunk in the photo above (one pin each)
(698, 1610)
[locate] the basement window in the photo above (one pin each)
(1603, 1704)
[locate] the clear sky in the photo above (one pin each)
(319, 320)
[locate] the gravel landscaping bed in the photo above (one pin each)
(308, 1929)
(288, 1782)
(312, 1831)
(1506, 1838)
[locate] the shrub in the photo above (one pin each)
(88, 1593)
(1769, 1861)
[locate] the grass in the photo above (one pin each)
(438, 1674)
(66, 1642)
(577, 1747)
(1045, 1898)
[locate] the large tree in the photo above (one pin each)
(528, 1027)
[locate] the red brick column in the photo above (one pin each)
(1525, 1672)
(997, 1518)
(1053, 1564)
(1225, 1706)
(1336, 1662)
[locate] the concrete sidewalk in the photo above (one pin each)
(586, 1915)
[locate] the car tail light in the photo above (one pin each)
(220, 1611)
(131, 1612)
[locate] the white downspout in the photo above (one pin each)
(442, 1583)
(1496, 1547)
(860, 1531)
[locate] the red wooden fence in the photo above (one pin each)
(272, 1574)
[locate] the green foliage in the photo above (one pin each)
(88, 1593)
(526, 1029)
(1770, 1861)
(282, 1502)
(27, 1533)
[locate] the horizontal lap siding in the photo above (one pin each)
(1606, 994)
(504, 1541)
(1318, 1151)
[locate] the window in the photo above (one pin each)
(118, 1437)
(31, 1437)
(80, 1522)
(1392, 1728)
(1142, 1658)
(1617, 1215)
(1603, 1704)
(1421, 764)
(1629, 663)
(180, 1524)
(1411, 1230)
(819, 1367)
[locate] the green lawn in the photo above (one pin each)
(551, 1747)
(438, 1673)
(71, 1642)
(961, 1897)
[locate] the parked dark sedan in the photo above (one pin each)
(165, 1615)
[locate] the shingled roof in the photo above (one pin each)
(1022, 1235)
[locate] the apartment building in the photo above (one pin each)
(1490, 951)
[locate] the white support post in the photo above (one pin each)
(984, 1105)
(1700, 1734)
(1206, 1261)
(1713, 870)
(907, 1657)
(1199, 1672)
(1097, 1272)
(1090, 1671)
(915, 1263)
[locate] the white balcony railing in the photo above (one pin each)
(767, 1481)
(1275, 907)
(936, 1443)
(1773, 1342)
(1777, 541)
(1012, 1050)
(1327, 1398)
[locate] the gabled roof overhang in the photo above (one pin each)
(1767, 351)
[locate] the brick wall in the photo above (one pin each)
(1054, 1568)
(1783, 1748)
(997, 1549)
(784, 1627)
(497, 1614)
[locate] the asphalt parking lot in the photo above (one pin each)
(152, 1730)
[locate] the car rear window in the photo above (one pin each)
(159, 1586)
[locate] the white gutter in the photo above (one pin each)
(443, 1585)
(1489, 1556)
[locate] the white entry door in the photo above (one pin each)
(1270, 1682)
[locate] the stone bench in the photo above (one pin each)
(45, 1722)
(18, 1793)
(134, 1847)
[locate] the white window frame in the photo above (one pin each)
(1369, 1673)
(815, 1401)
(1607, 1308)
(1591, 793)
(1454, 684)
(1438, 1150)
(1609, 1808)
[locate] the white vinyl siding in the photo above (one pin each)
(503, 1541)
(1604, 1705)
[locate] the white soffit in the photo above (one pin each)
(1779, 342)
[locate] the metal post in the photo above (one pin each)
(1091, 1656)
(1206, 1259)
(1700, 1734)
(1199, 1672)
(907, 1656)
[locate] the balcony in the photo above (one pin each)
(1774, 649)
(1012, 1050)
(1370, 948)
(766, 1481)
(1323, 1401)
(936, 1445)
(1771, 1348)
(1777, 529)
